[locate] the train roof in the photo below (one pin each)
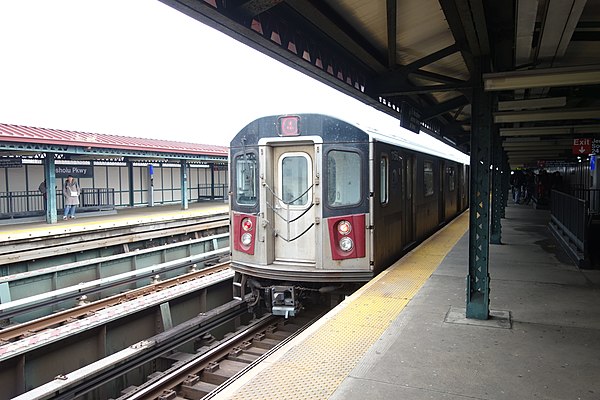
(386, 130)
(422, 142)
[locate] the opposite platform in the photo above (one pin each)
(87, 222)
(549, 349)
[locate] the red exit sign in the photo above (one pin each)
(582, 147)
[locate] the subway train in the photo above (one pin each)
(318, 204)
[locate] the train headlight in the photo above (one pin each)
(246, 224)
(246, 239)
(346, 244)
(344, 227)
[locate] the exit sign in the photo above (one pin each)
(582, 147)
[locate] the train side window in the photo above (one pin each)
(245, 174)
(451, 179)
(343, 178)
(428, 178)
(383, 179)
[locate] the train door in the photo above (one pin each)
(295, 181)
(409, 199)
(442, 193)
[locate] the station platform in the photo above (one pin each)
(404, 335)
(122, 217)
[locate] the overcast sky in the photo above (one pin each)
(140, 68)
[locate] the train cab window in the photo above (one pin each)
(343, 178)
(383, 179)
(245, 173)
(295, 178)
(451, 179)
(428, 178)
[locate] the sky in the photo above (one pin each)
(140, 68)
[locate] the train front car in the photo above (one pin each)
(299, 208)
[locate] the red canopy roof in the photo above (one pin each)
(27, 134)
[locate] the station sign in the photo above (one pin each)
(410, 117)
(11, 162)
(76, 171)
(582, 147)
(596, 146)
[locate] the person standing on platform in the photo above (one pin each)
(44, 192)
(71, 197)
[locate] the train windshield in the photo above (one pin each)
(343, 176)
(295, 179)
(245, 171)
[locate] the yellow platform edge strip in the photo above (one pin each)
(314, 366)
(10, 232)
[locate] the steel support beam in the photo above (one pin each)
(131, 185)
(497, 188)
(478, 284)
(50, 178)
(505, 183)
(391, 10)
(183, 171)
(212, 181)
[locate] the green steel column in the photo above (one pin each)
(212, 181)
(505, 183)
(497, 202)
(478, 285)
(50, 177)
(184, 185)
(131, 186)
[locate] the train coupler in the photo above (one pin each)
(283, 301)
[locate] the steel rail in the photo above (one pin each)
(178, 374)
(60, 248)
(154, 388)
(78, 383)
(32, 303)
(13, 333)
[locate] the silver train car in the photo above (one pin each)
(317, 203)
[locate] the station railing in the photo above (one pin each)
(212, 192)
(570, 220)
(28, 203)
(98, 197)
(590, 196)
(20, 203)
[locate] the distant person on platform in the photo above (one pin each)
(44, 192)
(71, 195)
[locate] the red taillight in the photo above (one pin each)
(347, 236)
(344, 227)
(243, 233)
(247, 225)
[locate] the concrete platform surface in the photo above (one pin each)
(549, 350)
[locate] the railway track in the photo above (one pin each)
(185, 362)
(27, 249)
(20, 331)
(214, 367)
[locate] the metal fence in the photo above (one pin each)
(590, 196)
(571, 217)
(21, 203)
(32, 203)
(206, 191)
(98, 198)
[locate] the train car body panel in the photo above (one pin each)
(317, 201)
